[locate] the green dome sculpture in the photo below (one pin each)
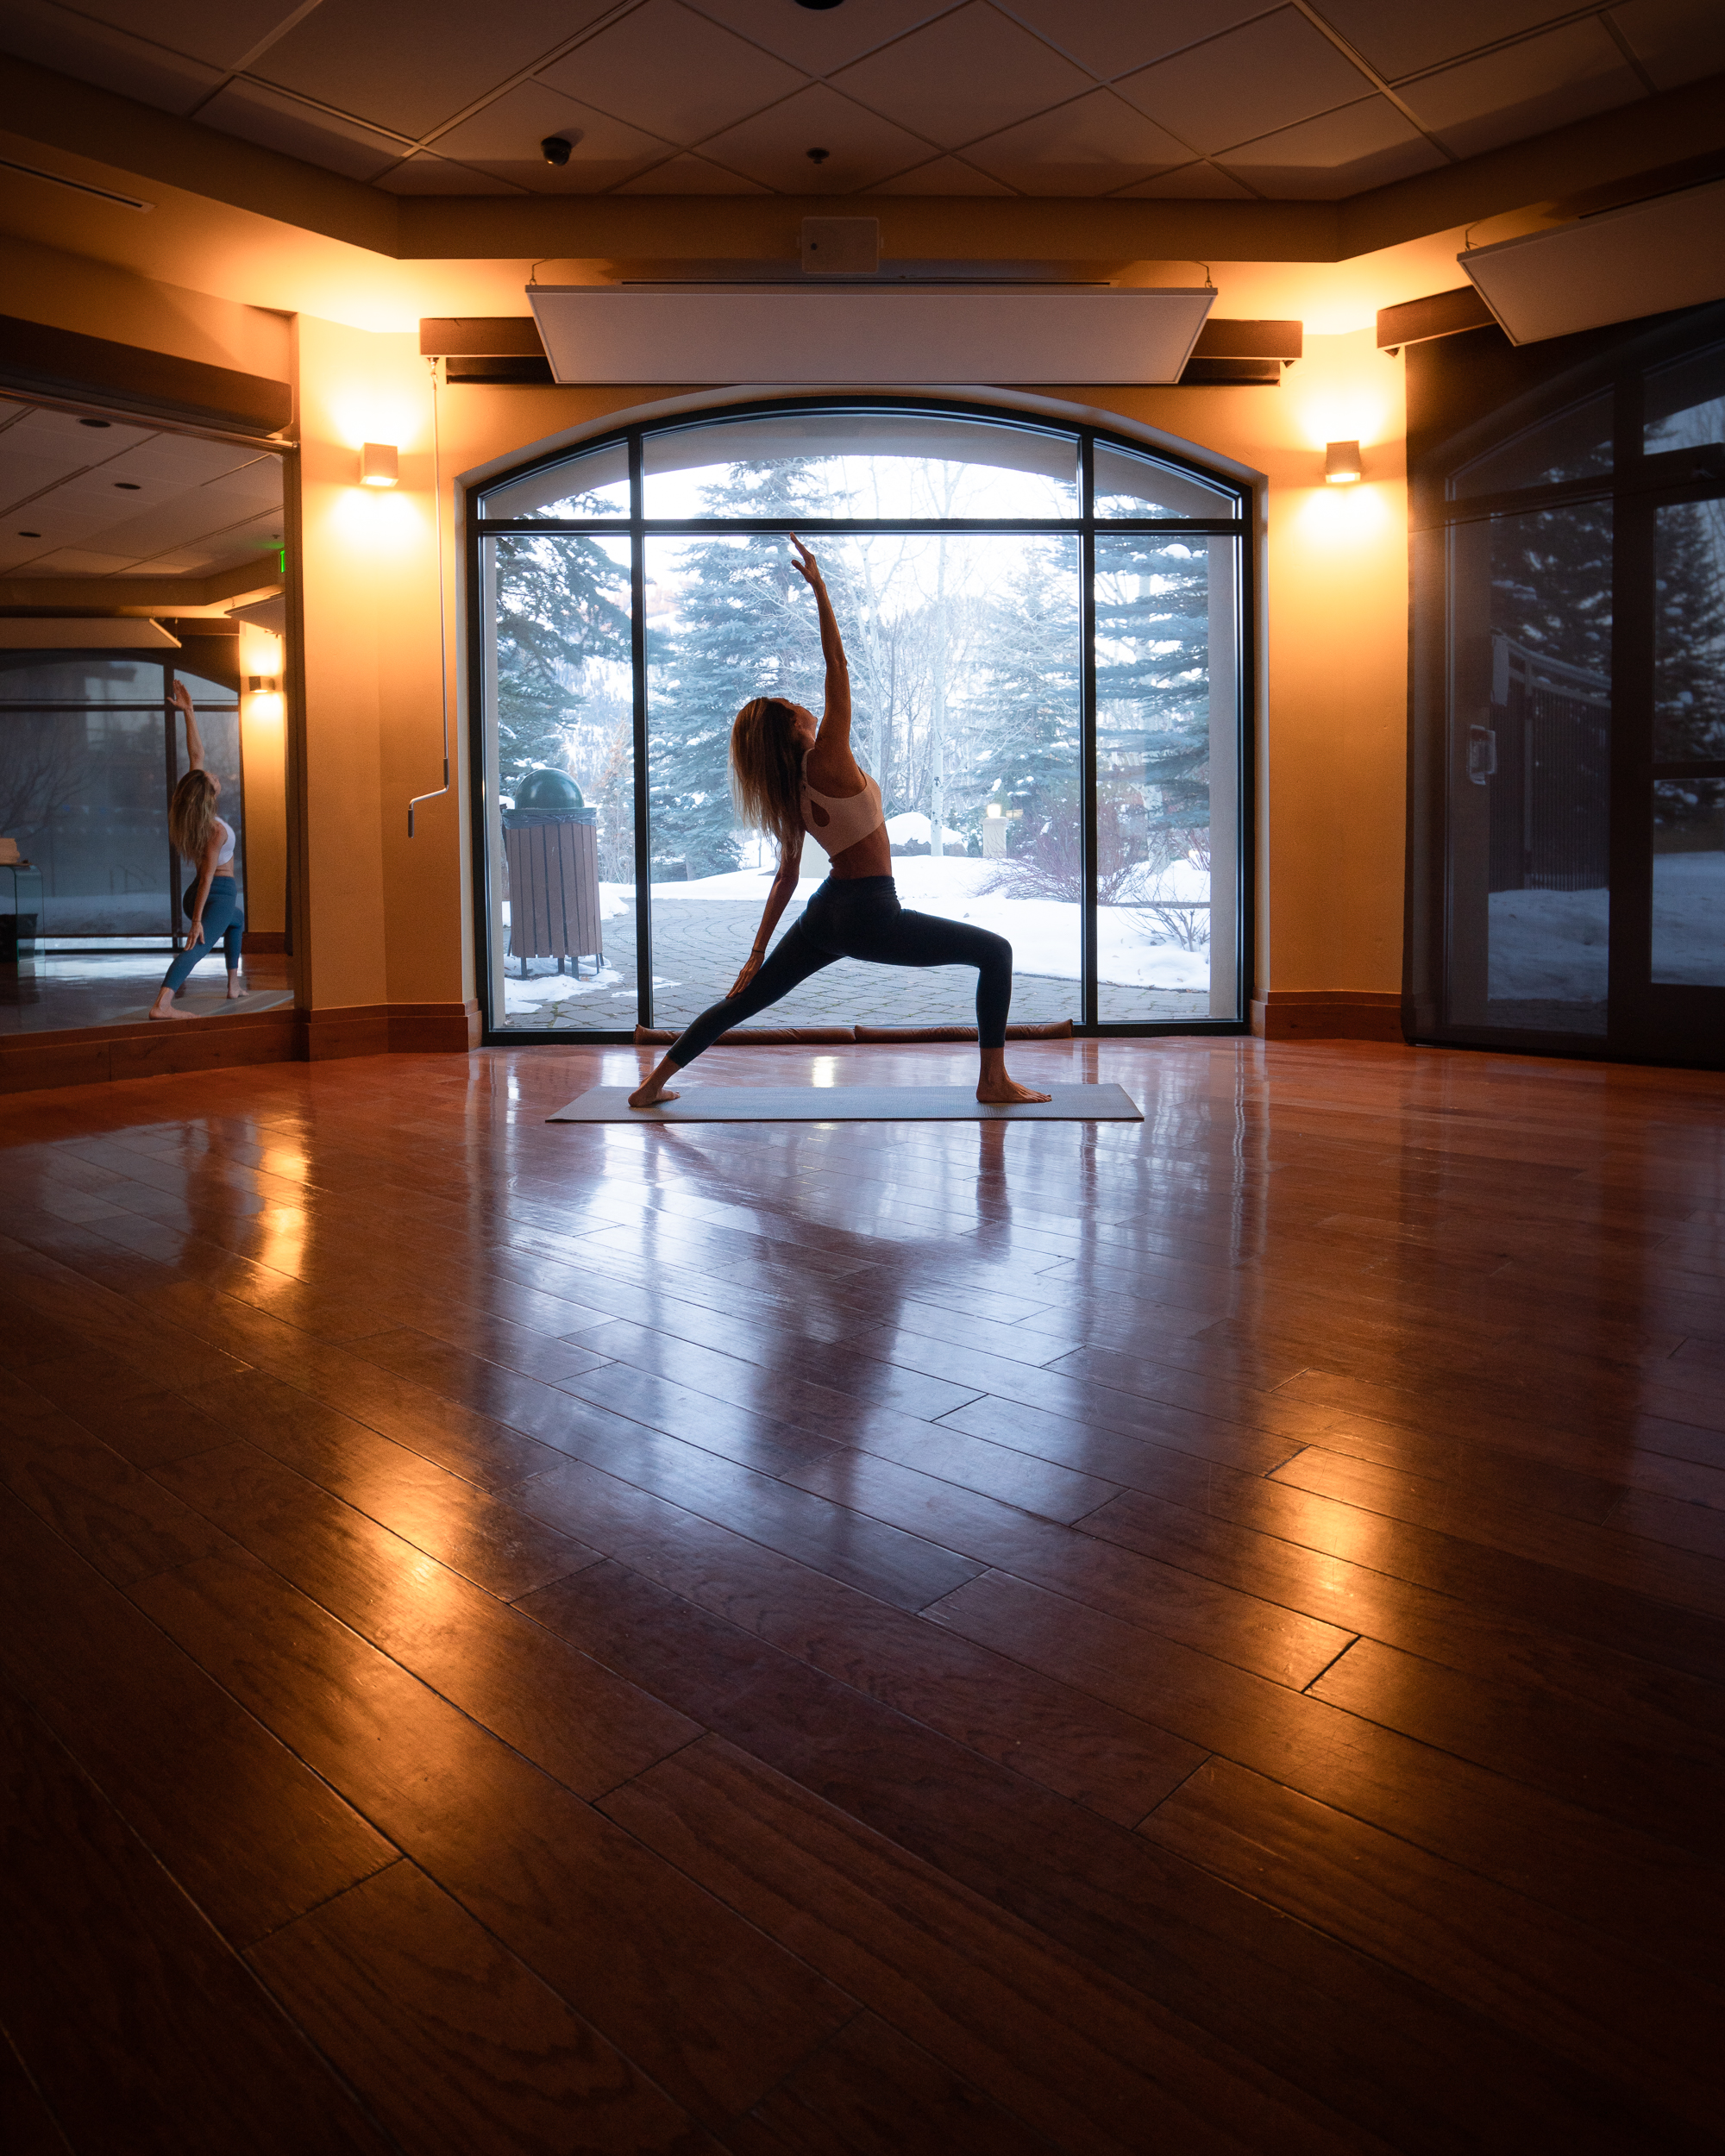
(545, 790)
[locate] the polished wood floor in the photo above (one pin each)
(1193, 1636)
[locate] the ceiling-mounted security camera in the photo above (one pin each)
(556, 149)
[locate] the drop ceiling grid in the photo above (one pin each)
(171, 504)
(1006, 88)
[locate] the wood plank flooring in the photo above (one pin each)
(1201, 1635)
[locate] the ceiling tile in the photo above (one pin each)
(688, 175)
(424, 175)
(1110, 37)
(1400, 40)
(262, 115)
(92, 52)
(971, 73)
(673, 73)
(221, 32)
(773, 148)
(1523, 90)
(75, 561)
(1090, 147)
(1676, 40)
(942, 176)
(503, 140)
(408, 70)
(1270, 74)
(1202, 182)
(819, 41)
(1364, 145)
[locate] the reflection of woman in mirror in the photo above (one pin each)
(207, 845)
(794, 776)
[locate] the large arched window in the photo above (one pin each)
(1044, 630)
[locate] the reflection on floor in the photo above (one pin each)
(58, 991)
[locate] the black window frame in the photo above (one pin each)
(638, 527)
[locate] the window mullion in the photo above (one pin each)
(643, 826)
(1088, 993)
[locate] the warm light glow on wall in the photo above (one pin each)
(378, 519)
(382, 413)
(1345, 389)
(1333, 517)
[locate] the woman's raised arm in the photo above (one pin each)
(181, 696)
(834, 718)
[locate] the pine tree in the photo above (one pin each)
(1153, 687)
(563, 604)
(743, 626)
(1689, 633)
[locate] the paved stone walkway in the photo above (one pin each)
(699, 944)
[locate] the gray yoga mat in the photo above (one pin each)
(848, 1104)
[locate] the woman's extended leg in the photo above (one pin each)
(895, 938)
(234, 940)
(790, 962)
(221, 911)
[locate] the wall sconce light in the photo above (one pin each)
(262, 683)
(380, 464)
(993, 809)
(1341, 463)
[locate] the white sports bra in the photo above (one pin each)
(225, 852)
(837, 821)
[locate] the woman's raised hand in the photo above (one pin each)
(180, 695)
(807, 567)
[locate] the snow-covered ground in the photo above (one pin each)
(1135, 949)
(1552, 945)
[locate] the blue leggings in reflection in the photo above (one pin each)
(224, 922)
(860, 916)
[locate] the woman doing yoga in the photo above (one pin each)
(793, 776)
(207, 844)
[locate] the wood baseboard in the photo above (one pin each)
(102, 1055)
(1327, 1014)
(385, 1029)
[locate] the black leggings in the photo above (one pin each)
(860, 916)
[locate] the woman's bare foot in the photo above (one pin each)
(163, 1008)
(995, 1090)
(236, 993)
(649, 1095)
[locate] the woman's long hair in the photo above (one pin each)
(191, 815)
(766, 768)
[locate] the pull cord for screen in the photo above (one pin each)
(442, 624)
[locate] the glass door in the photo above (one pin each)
(1567, 844)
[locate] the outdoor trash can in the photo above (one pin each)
(551, 848)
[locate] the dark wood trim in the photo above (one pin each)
(37, 360)
(1327, 1014)
(97, 1055)
(1439, 315)
(264, 942)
